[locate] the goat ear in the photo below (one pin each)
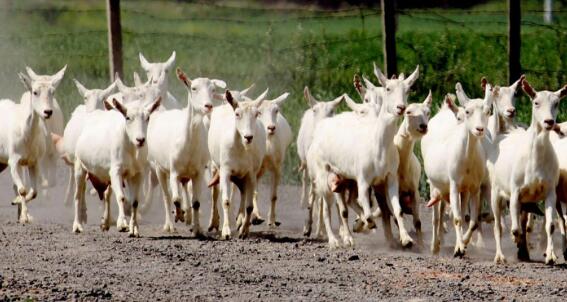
(26, 80)
(402, 76)
(528, 89)
(308, 97)
(412, 77)
(153, 106)
(489, 94)
(350, 102)
(483, 82)
(335, 103)
(56, 78)
(219, 83)
(245, 91)
(378, 73)
(260, 99)
(118, 106)
(394, 77)
(449, 102)
(145, 64)
(121, 87)
(280, 99)
(230, 99)
(561, 93)
(32, 75)
(515, 85)
(428, 100)
(183, 77)
(109, 90)
(369, 84)
(169, 63)
(107, 105)
(137, 80)
(461, 95)
(80, 87)
(358, 86)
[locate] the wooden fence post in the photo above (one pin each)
(114, 38)
(514, 42)
(389, 36)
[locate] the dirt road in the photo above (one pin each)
(45, 261)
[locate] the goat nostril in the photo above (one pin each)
(271, 128)
(549, 122)
(480, 129)
(140, 140)
(248, 138)
(209, 106)
(48, 112)
(423, 127)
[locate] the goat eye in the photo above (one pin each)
(35, 93)
(388, 89)
(238, 115)
(127, 118)
(536, 103)
(193, 88)
(467, 112)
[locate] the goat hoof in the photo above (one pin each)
(257, 220)
(307, 232)
(459, 252)
(278, 223)
(357, 226)
(499, 259)
(523, 254)
(551, 259)
(334, 243)
(77, 228)
(213, 228)
(104, 227)
(408, 243)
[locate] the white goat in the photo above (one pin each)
(278, 139)
(92, 99)
(237, 144)
(454, 161)
(342, 145)
(318, 111)
(154, 72)
(109, 151)
(177, 145)
(23, 141)
(54, 123)
(525, 169)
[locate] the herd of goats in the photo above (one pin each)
(128, 140)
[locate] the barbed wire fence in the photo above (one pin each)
(284, 49)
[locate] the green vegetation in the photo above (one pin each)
(284, 49)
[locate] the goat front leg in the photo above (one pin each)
(17, 173)
(105, 221)
(198, 185)
(80, 186)
(175, 196)
(436, 228)
(562, 228)
(248, 196)
(416, 218)
(215, 218)
(276, 177)
(162, 180)
(550, 203)
(135, 187)
(496, 211)
(116, 184)
(225, 187)
(364, 201)
(394, 198)
(474, 216)
(344, 230)
(186, 203)
(326, 206)
(455, 201)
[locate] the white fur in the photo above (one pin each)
(111, 149)
(237, 144)
(525, 169)
(361, 150)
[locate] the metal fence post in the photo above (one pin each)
(389, 36)
(114, 38)
(514, 42)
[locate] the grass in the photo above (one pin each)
(243, 43)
